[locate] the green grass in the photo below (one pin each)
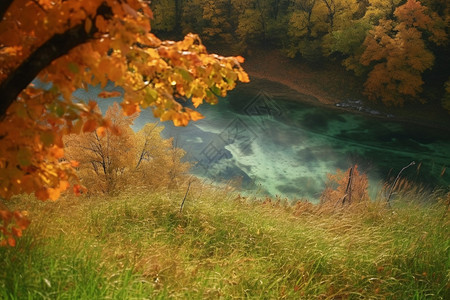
(141, 247)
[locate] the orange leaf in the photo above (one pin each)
(11, 241)
(63, 185)
(92, 105)
(90, 125)
(22, 221)
(101, 131)
(130, 108)
(57, 152)
(5, 215)
(53, 194)
(16, 231)
(101, 24)
(42, 194)
(78, 189)
(195, 115)
(240, 59)
(74, 163)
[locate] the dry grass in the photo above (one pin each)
(139, 246)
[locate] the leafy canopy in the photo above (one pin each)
(75, 43)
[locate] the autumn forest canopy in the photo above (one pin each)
(50, 142)
(395, 45)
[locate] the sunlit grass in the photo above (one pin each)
(221, 246)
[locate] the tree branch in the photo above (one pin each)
(57, 46)
(4, 5)
(54, 48)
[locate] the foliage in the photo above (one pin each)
(13, 224)
(399, 53)
(350, 31)
(349, 186)
(70, 44)
(110, 162)
(139, 246)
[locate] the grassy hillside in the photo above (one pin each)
(140, 246)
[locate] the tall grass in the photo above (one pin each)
(139, 246)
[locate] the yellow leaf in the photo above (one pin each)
(195, 115)
(243, 77)
(197, 101)
(101, 131)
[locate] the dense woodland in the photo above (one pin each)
(398, 46)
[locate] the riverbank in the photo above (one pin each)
(329, 84)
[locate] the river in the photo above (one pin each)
(276, 146)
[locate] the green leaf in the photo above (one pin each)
(150, 95)
(216, 91)
(185, 74)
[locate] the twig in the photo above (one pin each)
(348, 190)
(185, 195)
(395, 182)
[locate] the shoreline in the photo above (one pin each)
(304, 80)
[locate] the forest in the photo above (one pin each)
(397, 46)
(93, 206)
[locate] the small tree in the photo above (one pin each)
(158, 162)
(104, 155)
(345, 187)
(110, 159)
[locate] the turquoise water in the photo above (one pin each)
(286, 148)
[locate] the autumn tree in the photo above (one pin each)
(103, 156)
(380, 9)
(312, 22)
(346, 31)
(398, 52)
(345, 187)
(71, 44)
(302, 30)
(159, 163)
(165, 15)
(109, 163)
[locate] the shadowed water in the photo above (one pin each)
(286, 148)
